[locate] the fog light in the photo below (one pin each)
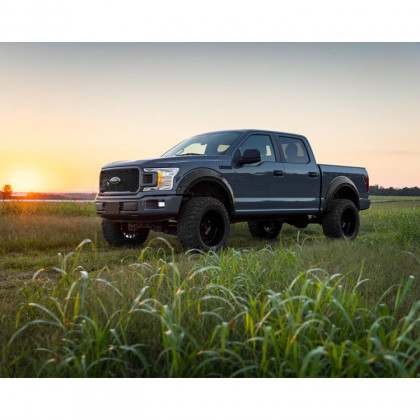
(161, 204)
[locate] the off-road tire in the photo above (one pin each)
(192, 228)
(264, 230)
(117, 234)
(341, 221)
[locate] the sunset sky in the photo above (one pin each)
(67, 109)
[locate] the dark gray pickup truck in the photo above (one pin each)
(196, 189)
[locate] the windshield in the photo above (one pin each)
(205, 144)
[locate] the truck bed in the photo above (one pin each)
(355, 173)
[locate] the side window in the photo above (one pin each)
(262, 143)
(294, 151)
(222, 148)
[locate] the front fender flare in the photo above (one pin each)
(204, 174)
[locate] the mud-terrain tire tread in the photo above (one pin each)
(256, 228)
(188, 227)
(114, 235)
(331, 221)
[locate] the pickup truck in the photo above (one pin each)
(205, 183)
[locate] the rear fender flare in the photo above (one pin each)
(337, 184)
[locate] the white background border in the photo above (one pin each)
(209, 399)
(216, 20)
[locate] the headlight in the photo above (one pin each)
(165, 178)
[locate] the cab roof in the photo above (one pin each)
(252, 130)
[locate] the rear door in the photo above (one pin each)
(259, 186)
(301, 175)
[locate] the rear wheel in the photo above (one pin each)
(342, 220)
(203, 224)
(124, 234)
(264, 230)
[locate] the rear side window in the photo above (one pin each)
(293, 150)
(262, 143)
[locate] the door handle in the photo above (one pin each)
(312, 174)
(278, 173)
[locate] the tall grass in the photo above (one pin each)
(401, 226)
(219, 319)
(276, 308)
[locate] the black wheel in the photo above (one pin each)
(342, 220)
(123, 234)
(203, 224)
(264, 230)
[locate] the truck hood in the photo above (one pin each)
(164, 162)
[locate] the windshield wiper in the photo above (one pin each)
(189, 154)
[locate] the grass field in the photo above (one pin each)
(300, 305)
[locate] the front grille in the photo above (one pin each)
(129, 180)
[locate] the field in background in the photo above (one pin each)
(394, 202)
(297, 306)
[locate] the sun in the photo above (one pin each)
(25, 180)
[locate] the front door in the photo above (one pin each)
(259, 186)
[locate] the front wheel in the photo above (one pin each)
(264, 230)
(124, 234)
(342, 220)
(203, 224)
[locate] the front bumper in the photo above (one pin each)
(146, 208)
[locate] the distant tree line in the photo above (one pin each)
(42, 196)
(406, 191)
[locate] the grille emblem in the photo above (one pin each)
(115, 180)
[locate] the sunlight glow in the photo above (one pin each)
(25, 180)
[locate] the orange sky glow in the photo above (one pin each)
(67, 109)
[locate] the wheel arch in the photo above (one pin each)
(207, 183)
(342, 187)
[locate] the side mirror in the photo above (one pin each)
(250, 156)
